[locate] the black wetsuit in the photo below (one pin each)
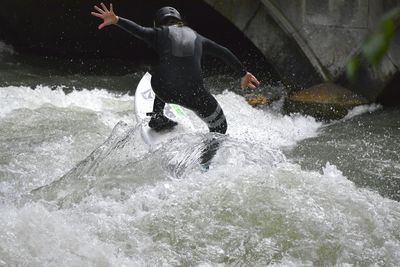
(178, 77)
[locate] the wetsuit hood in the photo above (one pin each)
(164, 13)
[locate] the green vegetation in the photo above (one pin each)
(376, 44)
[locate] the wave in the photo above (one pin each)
(105, 103)
(359, 110)
(129, 205)
(252, 208)
(123, 162)
(255, 138)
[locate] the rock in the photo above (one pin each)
(257, 100)
(326, 101)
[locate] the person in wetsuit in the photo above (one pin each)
(178, 77)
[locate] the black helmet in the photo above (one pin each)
(164, 13)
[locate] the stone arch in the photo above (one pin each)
(314, 39)
(269, 30)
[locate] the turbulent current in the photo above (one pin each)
(78, 187)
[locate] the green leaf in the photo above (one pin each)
(377, 44)
(375, 47)
(352, 67)
(393, 15)
(388, 28)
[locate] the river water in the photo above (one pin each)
(79, 188)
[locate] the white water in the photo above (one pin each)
(125, 206)
(361, 110)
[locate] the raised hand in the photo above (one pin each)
(249, 80)
(108, 16)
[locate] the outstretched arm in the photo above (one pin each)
(109, 18)
(214, 49)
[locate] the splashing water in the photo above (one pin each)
(79, 188)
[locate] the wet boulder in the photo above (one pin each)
(256, 100)
(326, 101)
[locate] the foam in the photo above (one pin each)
(267, 128)
(105, 103)
(253, 206)
(359, 110)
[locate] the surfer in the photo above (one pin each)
(178, 77)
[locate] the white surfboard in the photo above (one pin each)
(144, 99)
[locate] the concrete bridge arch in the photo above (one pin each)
(311, 40)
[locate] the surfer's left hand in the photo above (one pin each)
(249, 80)
(108, 16)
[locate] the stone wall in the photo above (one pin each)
(333, 30)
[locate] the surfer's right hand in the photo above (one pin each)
(249, 80)
(108, 16)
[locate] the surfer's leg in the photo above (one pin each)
(158, 106)
(216, 122)
(212, 114)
